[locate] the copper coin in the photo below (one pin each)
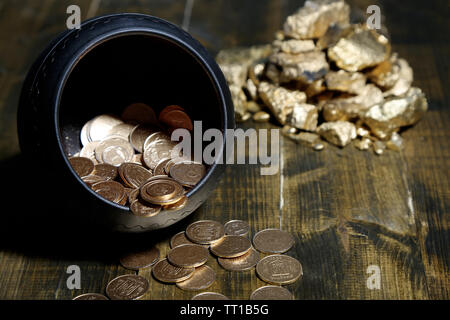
(160, 168)
(242, 263)
(187, 173)
(139, 134)
(180, 204)
(140, 259)
(236, 228)
(110, 190)
(273, 241)
(162, 191)
(202, 278)
(133, 195)
(179, 239)
(139, 113)
(90, 296)
(142, 209)
(166, 272)
(231, 246)
(106, 171)
(82, 166)
(133, 174)
(92, 179)
(210, 296)
(279, 269)
(188, 255)
(167, 109)
(271, 293)
(127, 287)
(176, 119)
(205, 231)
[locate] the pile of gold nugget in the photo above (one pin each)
(129, 160)
(324, 78)
(185, 263)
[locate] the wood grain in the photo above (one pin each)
(347, 209)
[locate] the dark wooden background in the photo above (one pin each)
(347, 209)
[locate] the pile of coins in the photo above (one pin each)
(131, 159)
(326, 78)
(185, 263)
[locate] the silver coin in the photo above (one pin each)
(115, 141)
(101, 125)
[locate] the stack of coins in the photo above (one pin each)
(185, 263)
(131, 160)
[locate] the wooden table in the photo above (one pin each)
(350, 212)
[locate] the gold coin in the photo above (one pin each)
(210, 296)
(139, 134)
(271, 293)
(162, 191)
(110, 190)
(90, 296)
(82, 166)
(231, 246)
(106, 171)
(205, 231)
(180, 204)
(179, 239)
(134, 175)
(142, 209)
(279, 269)
(160, 168)
(242, 263)
(188, 255)
(187, 173)
(273, 241)
(140, 259)
(166, 272)
(236, 228)
(139, 113)
(127, 287)
(133, 195)
(202, 278)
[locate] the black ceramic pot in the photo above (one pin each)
(110, 62)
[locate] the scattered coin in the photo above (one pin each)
(127, 287)
(236, 228)
(273, 241)
(134, 175)
(188, 255)
(271, 293)
(84, 138)
(231, 246)
(279, 269)
(205, 231)
(167, 109)
(176, 119)
(187, 173)
(156, 138)
(242, 263)
(82, 166)
(106, 171)
(162, 191)
(110, 190)
(133, 195)
(156, 152)
(166, 272)
(90, 296)
(88, 151)
(210, 296)
(179, 239)
(122, 129)
(202, 278)
(139, 134)
(114, 150)
(160, 168)
(92, 179)
(140, 259)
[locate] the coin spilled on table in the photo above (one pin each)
(128, 160)
(325, 78)
(185, 264)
